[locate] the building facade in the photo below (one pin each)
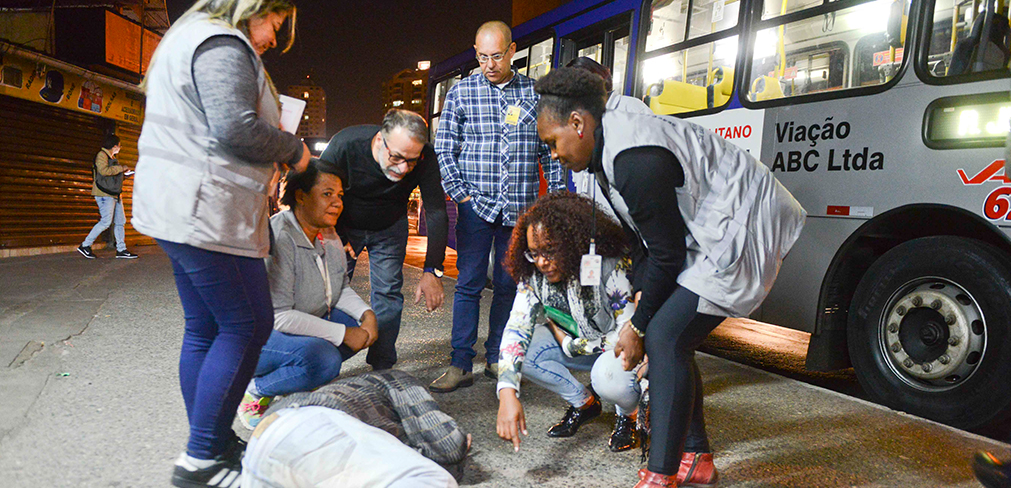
(313, 124)
(59, 97)
(407, 90)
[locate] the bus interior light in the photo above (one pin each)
(766, 43)
(872, 17)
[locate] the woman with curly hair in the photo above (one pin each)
(544, 258)
(711, 226)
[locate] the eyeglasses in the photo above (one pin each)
(533, 255)
(484, 58)
(397, 159)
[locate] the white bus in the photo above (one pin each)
(887, 120)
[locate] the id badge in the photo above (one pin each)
(513, 115)
(589, 270)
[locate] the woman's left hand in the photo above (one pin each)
(556, 331)
(631, 345)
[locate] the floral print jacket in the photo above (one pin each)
(583, 303)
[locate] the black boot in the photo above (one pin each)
(574, 417)
(625, 436)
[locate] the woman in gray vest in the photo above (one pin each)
(711, 226)
(208, 149)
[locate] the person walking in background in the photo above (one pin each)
(107, 187)
(384, 164)
(544, 258)
(711, 226)
(316, 313)
(489, 155)
(208, 150)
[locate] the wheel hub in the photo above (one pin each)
(923, 334)
(933, 334)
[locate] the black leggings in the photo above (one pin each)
(675, 385)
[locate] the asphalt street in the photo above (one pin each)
(89, 352)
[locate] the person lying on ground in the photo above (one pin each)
(380, 428)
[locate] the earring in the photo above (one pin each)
(580, 133)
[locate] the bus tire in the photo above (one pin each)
(928, 330)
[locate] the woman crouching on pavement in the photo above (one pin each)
(316, 313)
(710, 226)
(544, 258)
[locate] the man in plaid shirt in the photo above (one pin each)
(489, 154)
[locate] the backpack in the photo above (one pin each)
(112, 185)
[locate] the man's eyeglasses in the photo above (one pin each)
(533, 255)
(397, 159)
(484, 58)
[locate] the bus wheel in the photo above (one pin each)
(928, 330)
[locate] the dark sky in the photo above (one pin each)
(354, 46)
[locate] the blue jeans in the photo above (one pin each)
(547, 366)
(290, 363)
(474, 240)
(229, 316)
(387, 250)
(111, 211)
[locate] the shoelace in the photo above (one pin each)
(253, 407)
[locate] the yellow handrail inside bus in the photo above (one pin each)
(782, 45)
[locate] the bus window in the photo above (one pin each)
(709, 16)
(692, 79)
(439, 97)
(962, 41)
(667, 24)
(620, 64)
(520, 61)
(593, 52)
(668, 20)
(771, 9)
(812, 55)
(540, 59)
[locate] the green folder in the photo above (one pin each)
(563, 320)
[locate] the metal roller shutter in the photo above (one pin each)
(46, 155)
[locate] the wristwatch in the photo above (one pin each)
(436, 271)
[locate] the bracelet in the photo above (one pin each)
(638, 332)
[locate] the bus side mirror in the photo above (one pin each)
(894, 30)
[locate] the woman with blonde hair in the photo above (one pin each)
(208, 150)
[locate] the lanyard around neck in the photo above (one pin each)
(325, 271)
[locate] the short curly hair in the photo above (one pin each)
(567, 220)
(567, 90)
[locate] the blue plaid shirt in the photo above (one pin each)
(483, 156)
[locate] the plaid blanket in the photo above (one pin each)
(393, 401)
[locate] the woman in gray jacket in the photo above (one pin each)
(711, 226)
(316, 313)
(208, 149)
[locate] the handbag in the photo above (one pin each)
(112, 185)
(562, 320)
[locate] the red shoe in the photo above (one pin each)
(649, 479)
(697, 471)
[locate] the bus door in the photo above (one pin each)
(602, 38)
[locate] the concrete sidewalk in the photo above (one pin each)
(99, 405)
